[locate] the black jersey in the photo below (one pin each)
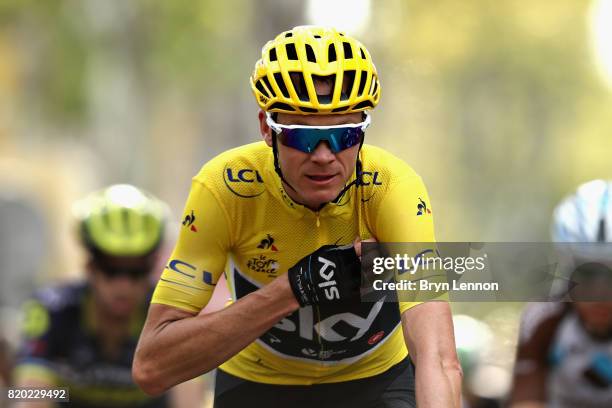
(60, 344)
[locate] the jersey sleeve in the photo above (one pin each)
(200, 254)
(405, 215)
(36, 350)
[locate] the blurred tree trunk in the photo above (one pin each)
(118, 103)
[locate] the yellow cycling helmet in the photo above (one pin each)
(121, 220)
(283, 79)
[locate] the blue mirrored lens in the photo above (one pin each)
(307, 140)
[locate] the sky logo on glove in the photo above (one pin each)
(331, 274)
(332, 292)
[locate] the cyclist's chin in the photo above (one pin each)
(121, 308)
(315, 197)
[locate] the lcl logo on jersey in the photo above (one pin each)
(183, 268)
(246, 183)
(244, 176)
(370, 178)
(367, 178)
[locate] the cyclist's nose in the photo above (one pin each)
(322, 153)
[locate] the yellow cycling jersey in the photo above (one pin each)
(239, 219)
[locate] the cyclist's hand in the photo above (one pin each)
(367, 254)
(330, 275)
(357, 244)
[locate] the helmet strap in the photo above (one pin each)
(356, 182)
(358, 175)
(277, 168)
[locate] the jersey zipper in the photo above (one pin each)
(316, 310)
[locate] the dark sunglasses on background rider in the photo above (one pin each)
(591, 281)
(115, 268)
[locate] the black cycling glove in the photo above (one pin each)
(330, 275)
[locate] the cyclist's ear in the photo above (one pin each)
(264, 129)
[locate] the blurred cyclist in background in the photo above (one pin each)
(83, 336)
(565, 349)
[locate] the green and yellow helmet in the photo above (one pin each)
(283, 79)
(121, 220)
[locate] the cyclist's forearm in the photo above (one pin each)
(183, 349)
(438, 384)
(428, 331)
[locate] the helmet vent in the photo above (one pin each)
(317, 36)
(331, 53)
(328, 79)
(291, 53)
(278, 77)
(362, 81)
(347, 84)
(273, 54)
(342, 109)
(364, 104)
(289, 34)
(297, 79)
(310, 54)
(309, 110)
(267, 83)
(261, 89)
(375, 86)
(348, 52)
(363, 56)
(283, 106)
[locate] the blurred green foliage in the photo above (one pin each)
(178, 42)
(48, 40)
(505, 100)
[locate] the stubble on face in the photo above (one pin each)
(318, 177)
